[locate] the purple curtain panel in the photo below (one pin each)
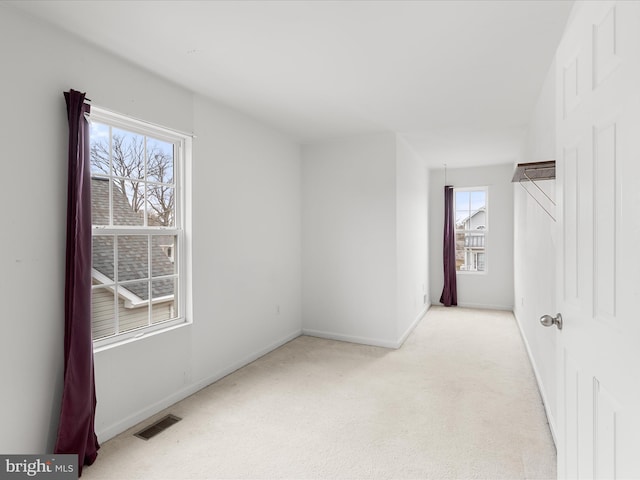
(449, 295)
(76, 433)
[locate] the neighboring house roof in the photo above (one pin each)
(121, 207)
(468, 219)
(133, 251)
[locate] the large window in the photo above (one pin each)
(471, 229)
(137, 211)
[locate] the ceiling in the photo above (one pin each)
(458, 79)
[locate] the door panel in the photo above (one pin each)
(598, 171)
(605, 410)
(605, 194)
(571, 423)
(571, 224)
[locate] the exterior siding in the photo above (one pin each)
(102, 303)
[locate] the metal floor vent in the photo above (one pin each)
(157, 427)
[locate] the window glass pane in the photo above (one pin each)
(99, 201)
(99, 151)
(164, 305)
(133, 305)
(163, 255)
(462, 218)
(478, 200)
(481, 261)
(162, 288)
(462, 200)
(474, 240)
(128, 199)
(127, 154)
(103, 312)
(161, 205)
(102, 259)
(470, 251)
(159, 161)
(460, 261)
(477, 220)
(133, 258)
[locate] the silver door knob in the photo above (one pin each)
(548, 321)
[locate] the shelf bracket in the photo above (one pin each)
(530, 172)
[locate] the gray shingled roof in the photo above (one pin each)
(133, 251)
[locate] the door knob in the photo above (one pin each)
(548, 320)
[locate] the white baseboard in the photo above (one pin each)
(486, 306)
(150, 410)
(413, 326)
(374, 342)
(543, 394)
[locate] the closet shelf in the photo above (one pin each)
(535, 171)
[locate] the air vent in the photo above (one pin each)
(157, 427)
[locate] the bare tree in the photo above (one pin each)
(161, 197)
(128, 164)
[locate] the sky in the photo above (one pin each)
(467, 202)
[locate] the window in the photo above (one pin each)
(137, 187)
(471, 229)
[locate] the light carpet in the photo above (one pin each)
(457, 401)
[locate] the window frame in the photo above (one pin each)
(181, 252)
(485, 230)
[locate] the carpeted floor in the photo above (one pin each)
(457, 401)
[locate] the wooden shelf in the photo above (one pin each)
(535, 171)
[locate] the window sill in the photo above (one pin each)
(139, 336)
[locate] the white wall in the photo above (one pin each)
(412, 241)
(535, 252)
(245, 231)
(494, 288)
(246, 240)
(364, 239)
(349, 239)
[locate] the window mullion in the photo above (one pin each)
(117, 285)
(144, 183)
(150, 277)
(100, 230)
(110, 175)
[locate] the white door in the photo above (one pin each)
(598, 191)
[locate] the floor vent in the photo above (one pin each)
(157, 427)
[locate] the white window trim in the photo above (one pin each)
(485, 230)
(182, 180)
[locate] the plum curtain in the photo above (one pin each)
(76, 427)
(449, 295)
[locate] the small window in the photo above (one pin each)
(471, 229)
(137, 189)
